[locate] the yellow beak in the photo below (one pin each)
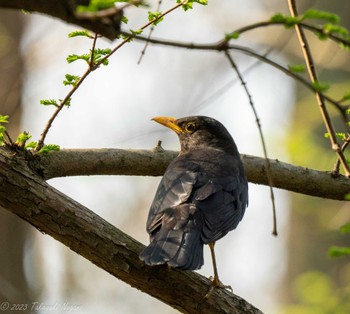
(169, 122)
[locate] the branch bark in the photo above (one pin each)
(108, 26)
(31, 198)
(74, 162)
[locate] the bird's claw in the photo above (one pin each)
(216, 283)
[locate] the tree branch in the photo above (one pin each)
(74, 162)
(31, 198)
(65, 10)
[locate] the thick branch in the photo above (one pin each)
(74, 162)
(108, 26)
(53, 213)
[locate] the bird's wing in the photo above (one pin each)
(222, 202)
(174, 223)
(174, 189)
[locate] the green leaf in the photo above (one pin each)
(287, 20)
(100, 53)
(345, 229)
(2, 132)
(98, 5)
(344, 98)
(80, 33)
(321, 15)
(74, 57)
(67, 103)
(22, 139)
(341, 136)
(320, 87)
(71, 79)
(296, 68)
(125, 19)
(4, 119)
(137, 32)
(233, 35)
(49, 102)
(329, 28)
(48, 148)
(31, 145)
(337, 251)
(155, 16)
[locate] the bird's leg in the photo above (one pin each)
(216, 283)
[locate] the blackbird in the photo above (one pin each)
(201, 197)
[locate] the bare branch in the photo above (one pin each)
(74, 162)
(53, 213)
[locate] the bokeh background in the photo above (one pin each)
(288, 274)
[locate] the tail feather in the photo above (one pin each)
(177, 248)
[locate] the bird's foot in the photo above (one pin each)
(216, 283)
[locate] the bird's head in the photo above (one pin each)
(200, 132)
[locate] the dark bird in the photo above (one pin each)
(201, 197)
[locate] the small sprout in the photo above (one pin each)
(31, 145)
(80, 33)
(338, 251)
(4, 119)
(22, 139)
(154, 16)
(320, 87)
(48, 148)
(287, 20)
(296, 68)
(233, 35)
(74, 57)
(321, 15)
(137, 32)
(49, 102)
(71, 80)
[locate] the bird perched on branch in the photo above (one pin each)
(201, 197)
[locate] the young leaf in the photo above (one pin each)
(4, 119)
(345, 98)
(2, 132)
(233, 35)
(71, 80)
(74, 57)
(287, 20)
(22, 139)
(31, 145)
(48, 148)
(154, 16)
(49, 102)
(345, 229)
(125, 19)
(320, 87)
(80, 33)
(321, 15)
(337, 251)
(297, 68)
(137, 32)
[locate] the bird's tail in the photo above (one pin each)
(175, 248)
(177, 243)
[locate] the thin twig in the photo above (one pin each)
(149, 35)
(262, 139)
(319, 96)
(92, 64)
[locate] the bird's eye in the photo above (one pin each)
(190, 127)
